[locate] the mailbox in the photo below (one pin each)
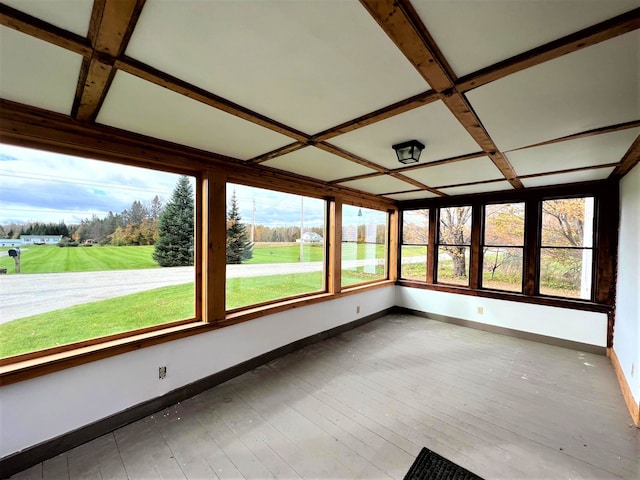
(14, 253)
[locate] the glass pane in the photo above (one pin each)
(502, 268)
(567, 222)
(453, 265)
(504, 224)
(414, 263)
(455, 226)
(364, 245)
(566, 272)
(103, 249)
(275, 245)
(415, 227)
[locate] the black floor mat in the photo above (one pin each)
(431, 466)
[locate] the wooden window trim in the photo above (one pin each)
(606, 218)
(485, 245)
(58, 134)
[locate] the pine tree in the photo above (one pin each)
(175, 246)
(239, 247)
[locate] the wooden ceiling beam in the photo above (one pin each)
(587, 37)
(176, 85)
(399, 21)
(403, 25)
(34, 127)
(416, 183)
(356, 177)
(17, 20)
(444, 161)
(629, 160)
(397, 108)
(112, 22)
(293, 147)
(327, 147)
(588, 133)
(465, 114)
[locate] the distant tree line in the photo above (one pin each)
(36, 228)
(137, 225)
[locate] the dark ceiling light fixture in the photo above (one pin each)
(408, 152)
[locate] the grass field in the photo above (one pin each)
(159, 306)
(52, 259)
(138, 310)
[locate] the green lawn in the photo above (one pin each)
(153, 307)
(286, 253)
(53, 259)
(96, 319)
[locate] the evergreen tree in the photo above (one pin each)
(239, 247)
(174, 247)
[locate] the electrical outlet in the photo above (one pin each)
(162, 372)
(480, 310)
(358, 309)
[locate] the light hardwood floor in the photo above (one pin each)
(363, 404)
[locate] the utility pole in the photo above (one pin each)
(253, 220)
(301, 228)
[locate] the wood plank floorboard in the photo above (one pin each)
(363, 404)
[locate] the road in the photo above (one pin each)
(30, 294)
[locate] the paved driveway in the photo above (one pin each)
(30, 294)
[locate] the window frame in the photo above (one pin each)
(387, 249)
(211, 173)
(438, 244)
(484, 245)
(325, 279)
(593, 248)
(401, 242)
(606, 201)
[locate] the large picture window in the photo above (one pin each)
(364, 245)
(90, 249)
(454, 245)
(275, 245)
(503, 246)
(415, 241)
(566, 256)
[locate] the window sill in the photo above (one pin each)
(575, 304)
(32, 365)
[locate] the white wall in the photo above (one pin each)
(568, 324)
(626, 340)
(43, 408)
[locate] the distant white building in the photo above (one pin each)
(40, 239)
(10, 242)
(311, 237)
(30, 240)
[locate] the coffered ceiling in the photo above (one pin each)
(504, 94)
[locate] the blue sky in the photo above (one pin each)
(47, 187)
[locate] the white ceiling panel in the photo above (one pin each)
(312, 65)
(479, 188)
(37, 73)
(474, 34)
(573, 177)
(582, 152)
(316, 163)
(467, 171)
(379, 185)
(587, 89)
(71, 15)
(142, 107)
(433, 125)
(417, 195)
